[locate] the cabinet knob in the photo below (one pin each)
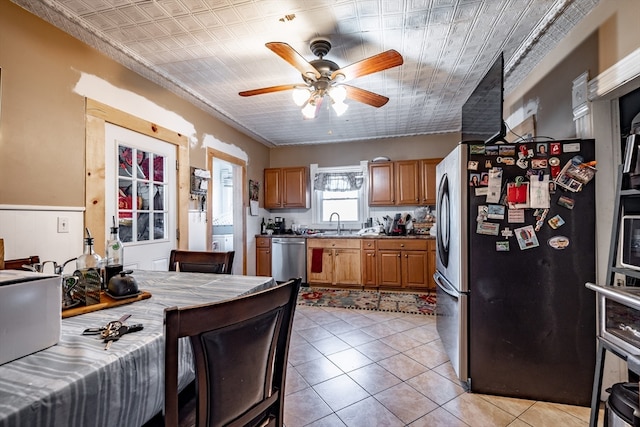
(402, 245)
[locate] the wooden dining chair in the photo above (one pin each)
(201, 261)
(240, 350)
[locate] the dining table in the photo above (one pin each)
(79, 382)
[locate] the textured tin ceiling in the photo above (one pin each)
(209, 50)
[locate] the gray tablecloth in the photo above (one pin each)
(79, 383)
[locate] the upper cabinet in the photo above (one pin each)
(428, 190)
(286, 188)
(381, 184)
(404, 182)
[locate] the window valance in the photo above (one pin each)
(338, 181)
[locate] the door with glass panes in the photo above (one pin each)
(140, 181)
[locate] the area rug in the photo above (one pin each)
(402, 302)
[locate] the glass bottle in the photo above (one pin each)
(263, 227)
(113, 256)
(114, 250)
(88, 259)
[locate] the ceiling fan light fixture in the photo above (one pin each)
(309, 111)
(338, 94)
(339, 107)
(300, 96)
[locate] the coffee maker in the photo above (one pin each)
(279, 223)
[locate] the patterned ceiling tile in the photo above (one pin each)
(208, 50)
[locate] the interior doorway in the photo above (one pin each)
(225, 210)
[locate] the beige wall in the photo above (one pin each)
(351, 153)
(42, 131)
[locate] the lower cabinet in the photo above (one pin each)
(384, 263)
(263, 256)
(369, 263)
(403, 264)
(338, 264)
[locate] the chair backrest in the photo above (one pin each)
(201, 261)
(240, 350)
(17, 264)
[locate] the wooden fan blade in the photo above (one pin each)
(290, 55)
(366, 97)
(270, 89)
(373, 64)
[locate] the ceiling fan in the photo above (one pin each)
(325, 78)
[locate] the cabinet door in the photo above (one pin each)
(381, 184)
(272, 193)
(324, 277)
(414, 269)
(428, 189)
(369, 276)
(389, 269)
(263, 261)
(346, 267)
(407, 182)
(294, 187)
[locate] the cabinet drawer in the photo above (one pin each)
(368, 244)
(334, 243)
(263, 242)
(406, 245)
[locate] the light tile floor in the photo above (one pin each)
(366, 368)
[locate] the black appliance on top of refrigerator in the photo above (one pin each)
(513, 311)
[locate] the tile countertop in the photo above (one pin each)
(332, 235)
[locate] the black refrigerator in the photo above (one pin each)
(515, 247)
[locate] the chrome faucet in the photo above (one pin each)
(331, 219)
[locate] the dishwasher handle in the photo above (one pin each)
(288, 242)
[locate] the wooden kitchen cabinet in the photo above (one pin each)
(263, 256)
(403, 264)
(369, 264)
(381, 184)
(428, 190)
(340, 262)
(407, 182)
(403, 183)
(286, 188)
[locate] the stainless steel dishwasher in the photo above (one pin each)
(289, 258)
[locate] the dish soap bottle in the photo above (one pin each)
(88, 259)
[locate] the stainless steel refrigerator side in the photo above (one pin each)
(452, 323)
(451, 259)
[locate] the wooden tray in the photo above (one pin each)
(105, 302)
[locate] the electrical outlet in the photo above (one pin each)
(63, 224)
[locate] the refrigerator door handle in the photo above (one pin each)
(444, 284)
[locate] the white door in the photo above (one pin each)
(140, 189)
